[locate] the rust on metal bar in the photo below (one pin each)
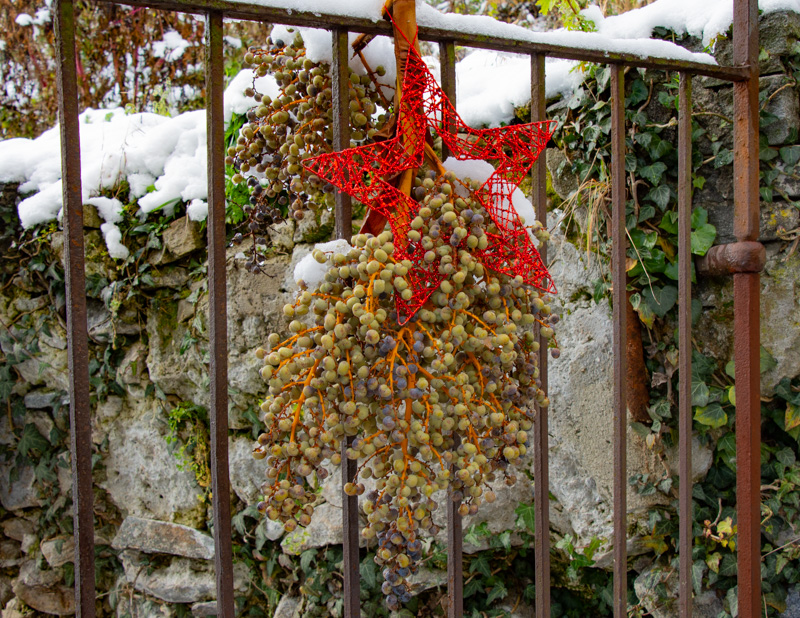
(746, 321)
(455, 548)
(619, 279)
(217, 308)
(541, 461)
(343, 228)
(447, 62)
(737, 257)
(685, 345)
(343, 222)
(455, 563)
(77, 336)
(257, 12)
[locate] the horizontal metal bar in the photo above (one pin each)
(738, 257)
(257, 12)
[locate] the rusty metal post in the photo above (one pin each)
(343, 228)
(218, 320)
(541, 460)
(77, 329)
(343, 221)
(746, 322)
(685, 343)
(455, 562)
(620, 344)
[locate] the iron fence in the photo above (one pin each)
(743, 260)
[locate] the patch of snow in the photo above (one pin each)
(312, 272)
(197, 210)
(233, 41)
(113, 238)
(171, 47)
(108, 208)
(379, 52)
(23, 19)
(235, 100)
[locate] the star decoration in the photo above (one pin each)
(366, 173)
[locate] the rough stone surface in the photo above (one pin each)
(702, 458)
(182, 581)
(182, 237)
(281, 236)
(247, 473)
(59, 551)
(138, 606)
(563, 181)
(784, 104)
(581, 410)
(43, 591)
(6, 592)
(792, 603)
(10, 554)
(425, 579)
(289, 607)
(780, 315)
(90, 217)
(13, 609)
(142, 477)
(20, 493)
(208, 608)
(16, 528)
(314, 227)
(160, 537)
(325, 529)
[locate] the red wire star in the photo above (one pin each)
(362, 172)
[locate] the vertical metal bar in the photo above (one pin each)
(746, 323)
(619, 281)
(447, 62)
(541, 461)
(455, 548)
(685, 343)
(343, 223)
(218, 321)
(344, 229)
(455, 565)
(77, 335)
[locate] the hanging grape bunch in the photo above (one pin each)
(445, 401)
(293, 126)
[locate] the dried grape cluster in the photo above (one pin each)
(280, 132)
(444, 402)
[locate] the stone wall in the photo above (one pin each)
(153, 512)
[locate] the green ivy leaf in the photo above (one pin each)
(700, 394)
(786, 457)
(790, 155)
(653, 173)
(669, 222)
(661, 196)
(698, 570)
(481, 565)
(526, 516)
(702, 239)
(31, 440)
(768, 362)
(498, 592)
(369, 572)
(711, 415)
(306, 558)
(661, 300)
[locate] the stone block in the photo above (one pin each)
(90, 217)
(160, 537)
(784, 105)
(44, 590)
(16, 528)
(59, 551)
(289, 607)
(182, 237)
